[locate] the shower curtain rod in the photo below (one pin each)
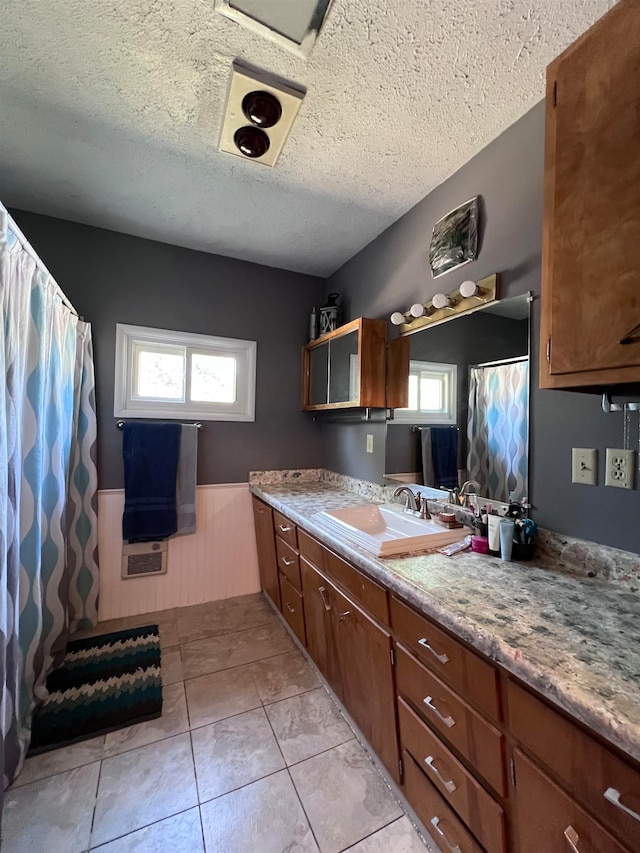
(502, 361)
(26, 245)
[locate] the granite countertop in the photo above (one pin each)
(574, 639)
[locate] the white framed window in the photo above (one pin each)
(432, 393)
(160, 373)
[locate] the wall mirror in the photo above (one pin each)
(468, 415)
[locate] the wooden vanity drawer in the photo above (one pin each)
(584, 767)
(548, 818)
(473, 736)
(437, 816)
(292, 609)
(366, 591)
(285, 529)
(289, 563)
(472, 803)
(474, 678)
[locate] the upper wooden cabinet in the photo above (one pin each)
(590, 328)
(346, 368)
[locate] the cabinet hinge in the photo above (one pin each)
(393, 657)
(549, 349)
(401, 767)
(512, 767)
(555, 92)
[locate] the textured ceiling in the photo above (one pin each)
(110, 114)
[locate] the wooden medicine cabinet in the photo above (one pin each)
(346, 368)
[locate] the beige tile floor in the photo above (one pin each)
(251, 755)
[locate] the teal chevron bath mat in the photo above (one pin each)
(104, 684)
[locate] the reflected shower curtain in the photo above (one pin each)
(498, 429)
(48, 488)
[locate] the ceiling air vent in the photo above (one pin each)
(259, 114)
(291, 24)
(144, 558)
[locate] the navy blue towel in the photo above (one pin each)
(150, 453)
(444, 448)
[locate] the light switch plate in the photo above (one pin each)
(620, 468)
(584, 466)
(369, 444)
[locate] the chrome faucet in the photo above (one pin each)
(415, 504)
(464, 494)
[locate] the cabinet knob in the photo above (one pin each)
(289, 607)
(613, 796)
(425, 645)
(448, 721)
(450, 785)
(453, 848)
(327, 604)
(572, 839)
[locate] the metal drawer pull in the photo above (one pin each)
(344, 615)
(261, 511)
(448, 721)
(454, 848)
(450, 785)
(442, 658)
(284, 528)
(572, 838)
(287, 562)
(327, 605)
(289, 607)
(614, 797)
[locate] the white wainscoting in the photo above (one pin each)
(218, 561)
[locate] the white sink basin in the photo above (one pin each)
(386, 531)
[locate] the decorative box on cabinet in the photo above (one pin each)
(590, 324)
(346, 368)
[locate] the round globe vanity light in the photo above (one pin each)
(397, 318)
(468, 289)
(417, 310)
(441, 300)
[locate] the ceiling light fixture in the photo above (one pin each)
(259, 114)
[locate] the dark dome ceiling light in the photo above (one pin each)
(262, 108)
(252, 141)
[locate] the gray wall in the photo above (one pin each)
(392, 272)
(113, 278)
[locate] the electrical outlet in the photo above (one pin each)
(369, 444)
(584, 466)
(620, 468)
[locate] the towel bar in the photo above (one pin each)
(120, 424)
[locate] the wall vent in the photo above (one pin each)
(140, 559)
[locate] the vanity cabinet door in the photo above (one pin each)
(590, 331)
(549, 820)
(265, 544)
(319, 603)
(354, 654)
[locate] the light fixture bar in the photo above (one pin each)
(468, 297)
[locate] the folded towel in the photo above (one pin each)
(150, 452)
(444, 450)
(186, 480)
(428, 475)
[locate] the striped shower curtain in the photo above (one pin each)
(48, 487)
(498, 429)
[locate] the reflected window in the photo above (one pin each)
(432, 393)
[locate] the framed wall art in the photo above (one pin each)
(454, 241)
